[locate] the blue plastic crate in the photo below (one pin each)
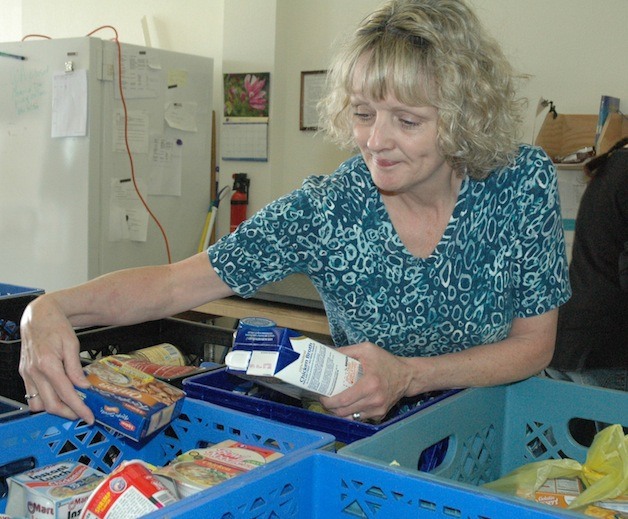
(321, 485)
(219, 387)
(492, 431)
(42, 439)
(7, 291)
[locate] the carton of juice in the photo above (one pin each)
(289, 362)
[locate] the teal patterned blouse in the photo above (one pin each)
(501, 256)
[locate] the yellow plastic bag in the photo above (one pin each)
(604, 473)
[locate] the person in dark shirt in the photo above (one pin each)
(592, 336)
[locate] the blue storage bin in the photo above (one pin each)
(225, 389)
(321, 485)
(42, 439)
(494, 430)
(8, 291)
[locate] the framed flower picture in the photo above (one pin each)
(247, 95)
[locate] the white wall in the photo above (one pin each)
(574, 51)
(11, 20)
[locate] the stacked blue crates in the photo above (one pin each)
(43, 439)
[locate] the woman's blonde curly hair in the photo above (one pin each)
(432, 53)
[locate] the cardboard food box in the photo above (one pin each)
(289, 362)
(558, 492)
(56, 490)
(128, 400)
(197, 469)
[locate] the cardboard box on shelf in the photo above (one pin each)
(565, 134)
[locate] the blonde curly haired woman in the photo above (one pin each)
(437, 250)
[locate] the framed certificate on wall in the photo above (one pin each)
(312, 88)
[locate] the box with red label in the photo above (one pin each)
(558, 492)
(129, 401)
(130, 491)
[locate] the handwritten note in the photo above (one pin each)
(28, 89)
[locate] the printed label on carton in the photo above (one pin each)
(130, 491)
(290, 362)
(197, 469)
(558, 492)
(57, 490)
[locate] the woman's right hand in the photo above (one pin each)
(49, 361)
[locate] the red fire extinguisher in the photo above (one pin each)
(239, 199)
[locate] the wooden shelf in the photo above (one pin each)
(566, 133)
(297, 318)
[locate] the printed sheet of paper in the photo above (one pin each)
(137, 129)
(69, 104)
(128, 218)
(165, 166)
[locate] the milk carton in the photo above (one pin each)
(289, 362)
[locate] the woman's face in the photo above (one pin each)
(399, 143)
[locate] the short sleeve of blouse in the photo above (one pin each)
(278, 240)
(540, 264)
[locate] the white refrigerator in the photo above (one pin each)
(75, 165)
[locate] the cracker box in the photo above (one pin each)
(127, 400)
(57, 490)
(289, 362)
(558, 492)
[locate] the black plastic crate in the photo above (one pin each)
(13, 301)
(10, 409)
(199, 342)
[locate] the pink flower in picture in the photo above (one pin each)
(254, 87)
(246, 94)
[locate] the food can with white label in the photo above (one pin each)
(165, 354)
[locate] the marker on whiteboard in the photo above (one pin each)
(14, 56)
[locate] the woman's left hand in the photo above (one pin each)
(385, 379)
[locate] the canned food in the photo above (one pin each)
(165, 354)
(130, 491)
(155, 369)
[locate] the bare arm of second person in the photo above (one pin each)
(50, 364)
